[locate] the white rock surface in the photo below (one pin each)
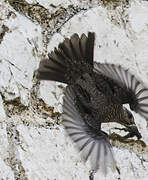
(30, 148)
(5, 170)
(20, 50)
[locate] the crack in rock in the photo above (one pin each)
(4, 29)
(14, 160)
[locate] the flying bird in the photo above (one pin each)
(95, 94)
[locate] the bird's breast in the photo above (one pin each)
(111, 113)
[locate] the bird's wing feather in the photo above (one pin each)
(129, 88)
(66, 63)
(92, 145)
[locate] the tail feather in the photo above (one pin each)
(89, 49)
(71, 48)
(75, 45)
(72, 58)
(50, 71)
(56, 58)
(82, 45)
(65, 47)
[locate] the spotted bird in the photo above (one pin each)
(95, 94)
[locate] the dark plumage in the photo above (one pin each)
(95, 94)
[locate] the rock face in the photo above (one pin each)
(33, 144)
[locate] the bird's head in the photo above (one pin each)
(130, 124)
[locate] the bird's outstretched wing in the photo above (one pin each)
(93, 145)
(126, 86)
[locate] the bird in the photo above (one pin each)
(95, 94)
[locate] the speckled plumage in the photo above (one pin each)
(95, 94)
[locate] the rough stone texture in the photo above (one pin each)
(33, 144)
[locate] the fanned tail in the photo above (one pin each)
(72, 58)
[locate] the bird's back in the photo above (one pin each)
(97, 98)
